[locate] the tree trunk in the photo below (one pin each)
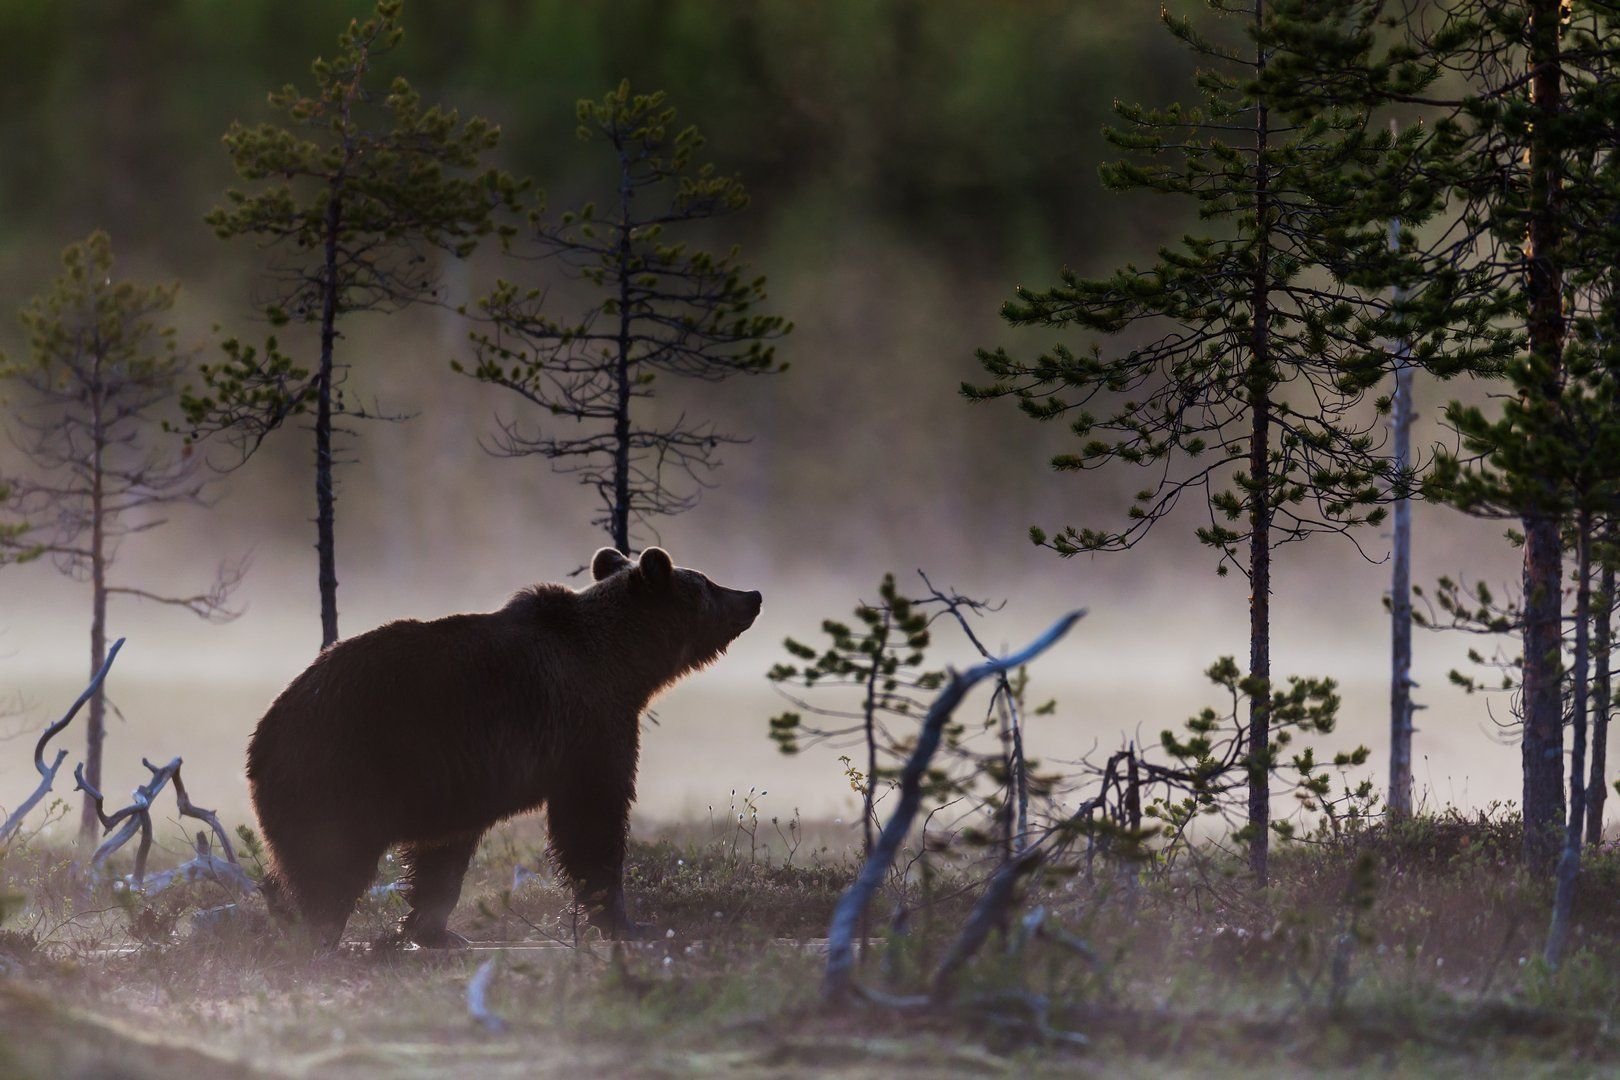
(1569, 864)
(325, 494)
(1259, 757)
(1602, 642)
(1543, 744)
(869, 715)
(96, 722)
(1400, 591)
(621, 414)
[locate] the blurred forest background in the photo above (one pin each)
(909, 162)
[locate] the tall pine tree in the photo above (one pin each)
(1243, 360)
(359, 191)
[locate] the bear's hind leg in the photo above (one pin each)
(433, 875)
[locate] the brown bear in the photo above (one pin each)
(424, 734)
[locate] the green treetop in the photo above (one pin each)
(662, 308)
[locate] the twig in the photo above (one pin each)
(47, 773)
(1019, 772)
(838, 981)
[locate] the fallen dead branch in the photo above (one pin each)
(838, 982)
(137, 818)
(205, 866)
(478, 997)
(47, 773)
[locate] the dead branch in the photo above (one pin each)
(478, 997)
(137, 817)
(205, 866)
(1018, 778)
(838, 981)
(47, 773)
(988, 913)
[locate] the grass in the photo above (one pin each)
(1410, 950)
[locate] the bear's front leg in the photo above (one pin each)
(433, 875)
(589, 817)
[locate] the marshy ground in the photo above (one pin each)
(1409, 951)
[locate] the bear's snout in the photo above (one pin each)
(748, 608)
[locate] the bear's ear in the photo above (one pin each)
(607, 561)
(656, 566)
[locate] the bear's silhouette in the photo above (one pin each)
(424, 734)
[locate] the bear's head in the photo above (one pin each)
(702, 617)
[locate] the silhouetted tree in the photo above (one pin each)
(362, 187)
(662, 308)
(90, 398)
(1246, 357)
(1521, 152)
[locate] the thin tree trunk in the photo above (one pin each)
(621, 415)
(325, 494)
(869, 794)
(1602, 642)
(96, 723)
(1400, 590)
(870, 718)
(1259, 759)
(1543, 744)
(1569, 864)
(1020, 769)
(1009, 767)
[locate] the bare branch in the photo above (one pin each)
(47, 773)
(137, 816)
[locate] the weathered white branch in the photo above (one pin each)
(478, 997)
(47, 773)
(206, 866)
(838, 981)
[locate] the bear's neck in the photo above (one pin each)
(635, 654)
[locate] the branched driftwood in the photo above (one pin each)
(838, 981)
(47, 773)
(205, 866)
(137, 817)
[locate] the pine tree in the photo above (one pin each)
(871, 683)
(359, 190)
(101, 372)
(1246, 357)
(1520, 155)
(664, 308)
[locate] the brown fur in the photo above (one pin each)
(424, 734)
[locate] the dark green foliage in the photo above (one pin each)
(1205, 765)
(371, 174)
(662, 308)
(1178, 393)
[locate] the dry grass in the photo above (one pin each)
(1434, 928)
